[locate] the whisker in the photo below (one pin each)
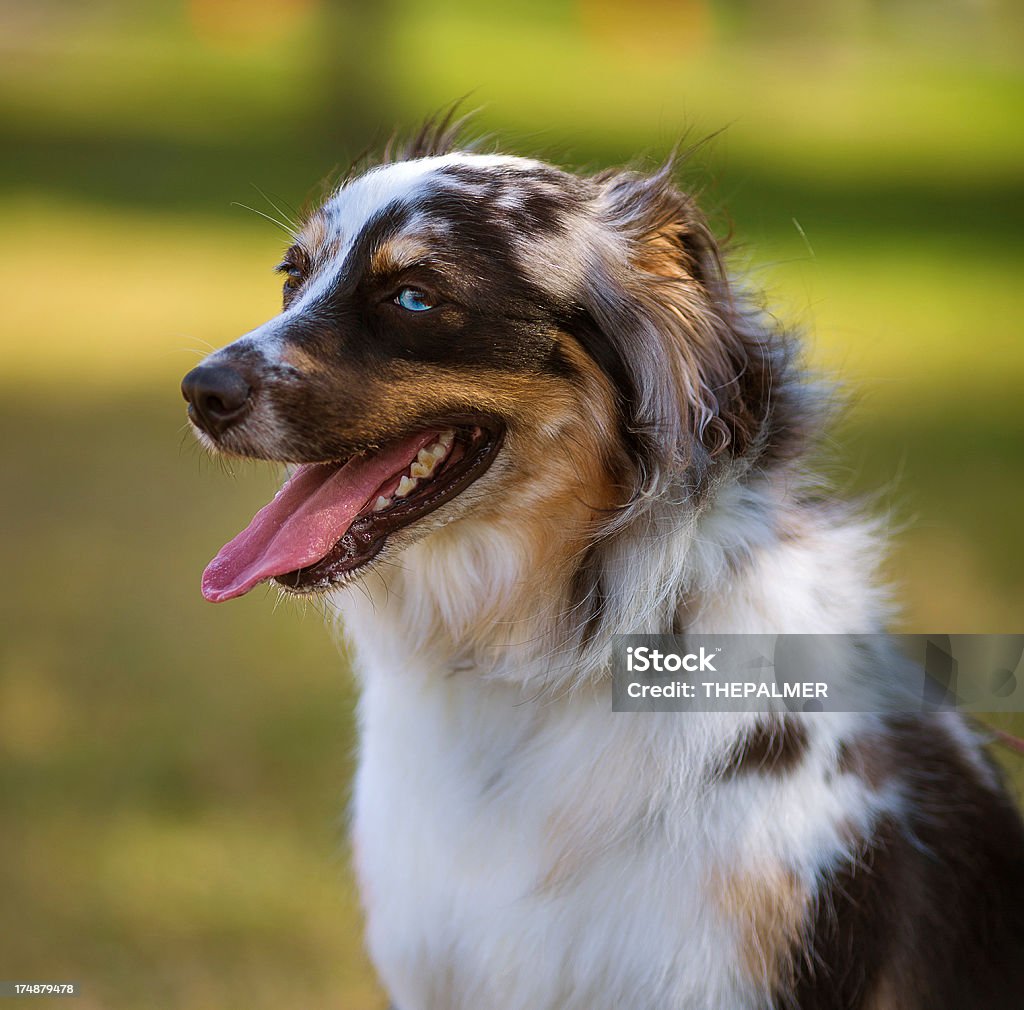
(284, 216)
(290, 232)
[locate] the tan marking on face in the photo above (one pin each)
(416, 390)
(572, 455)
(561, 429)
(397, 253)
(768, 907)
(561, 433)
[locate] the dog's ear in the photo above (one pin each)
(699, 366)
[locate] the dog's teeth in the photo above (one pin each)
(421, 469)
(439, 448)
(405, 485)
(382, 503)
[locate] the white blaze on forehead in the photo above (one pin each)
(348, 212)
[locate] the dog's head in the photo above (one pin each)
(488, 335)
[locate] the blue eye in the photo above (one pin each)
(413, 300)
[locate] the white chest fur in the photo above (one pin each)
(494, 866)
(520, 854)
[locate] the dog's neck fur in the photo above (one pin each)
(486, 596)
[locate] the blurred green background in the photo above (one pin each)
(173, 775)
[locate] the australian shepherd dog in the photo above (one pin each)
(527, 410)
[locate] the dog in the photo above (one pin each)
(528, 410)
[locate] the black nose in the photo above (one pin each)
(218, 396)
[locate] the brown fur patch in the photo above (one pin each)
(397, 253)
(563, 434)
(769, 908)
(776, 744)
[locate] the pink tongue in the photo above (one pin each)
(307, 517)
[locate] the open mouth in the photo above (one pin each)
(330, 519)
